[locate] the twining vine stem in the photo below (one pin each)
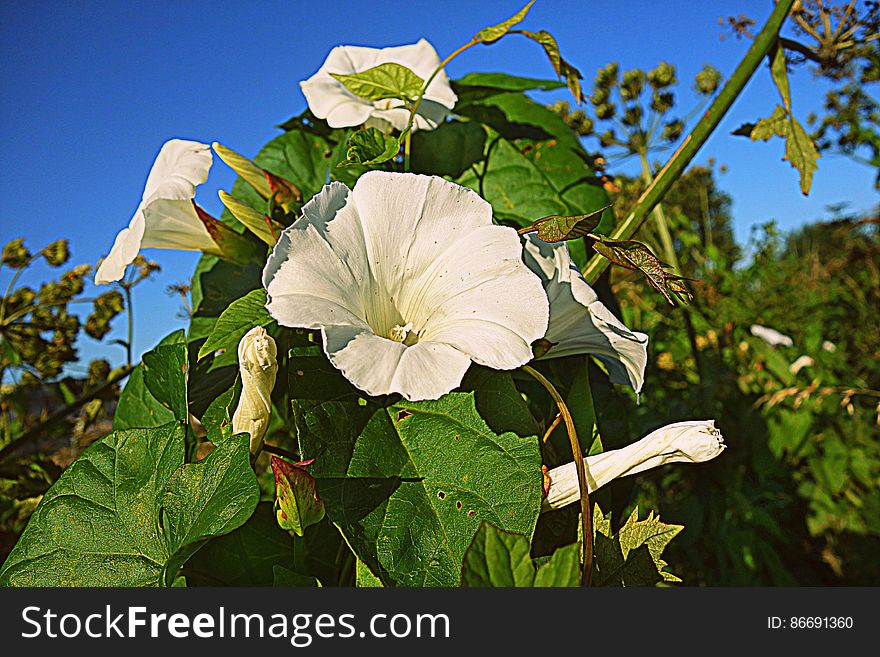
(676, 165)
(415, 107)
(586, 513)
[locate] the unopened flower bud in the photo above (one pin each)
(682, 442)
(15, 254)
(258, 365)
(297, 503)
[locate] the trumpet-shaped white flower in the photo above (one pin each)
(409, 281)
(329, 99)
(579, 322)
(771, 336)
(683, 442)
(166, 217)
(258, 366)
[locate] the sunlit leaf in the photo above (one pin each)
(556, 228)
(563, 68)
(631, 254)
(388, 80)
(370, 146)
(495, 32)
(240, 317)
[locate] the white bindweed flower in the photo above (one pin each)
(329, 99)
(771, 336)
(683, 442)
(166, 217)
(409, 281)
(829, 346)
(579, 322)
(258, 365)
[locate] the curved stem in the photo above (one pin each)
(12, 283)
(586, 512)
(676, 165)
(130, 313)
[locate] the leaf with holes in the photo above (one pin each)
(409, 484)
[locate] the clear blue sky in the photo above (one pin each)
(89, 91)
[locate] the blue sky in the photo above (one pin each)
(89, 91)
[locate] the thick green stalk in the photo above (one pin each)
(694, 141)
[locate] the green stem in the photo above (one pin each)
(130, 313)
(415, 107)
(660, 219)
(586, 514)
(406, 147)
(676, 165)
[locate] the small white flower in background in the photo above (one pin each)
(683, 442)
(166, 217)
(258, 365)
(771, 336)
(829, 346)
(329, 99)
(579, 322)
(801, 363)
(409, 281)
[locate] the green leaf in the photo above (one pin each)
(498, 82)
(775, 125)
(240, 317)
(498, 559)
(388, 80)
(495, 32)
(165, 370)
(256, 222)
(801, 153)
(563, 568)
(780, 75)
(128, 512)
(556, 228)
(99, 524)
(632, 557)
(800, 150)
(285, 577)
(249, 555)
(417, 480)
(634, 255)
(370, 146)
(209, 498)
(563, 69)
(364, 579)
(450, 150)
(137, 406)
(217, 419)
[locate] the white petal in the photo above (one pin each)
(380, 366)
(579, 322)
(309, 283)
(125, 249)
(172, 224)
(180, 166)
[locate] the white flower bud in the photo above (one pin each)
(258, 365)
(683, 442)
